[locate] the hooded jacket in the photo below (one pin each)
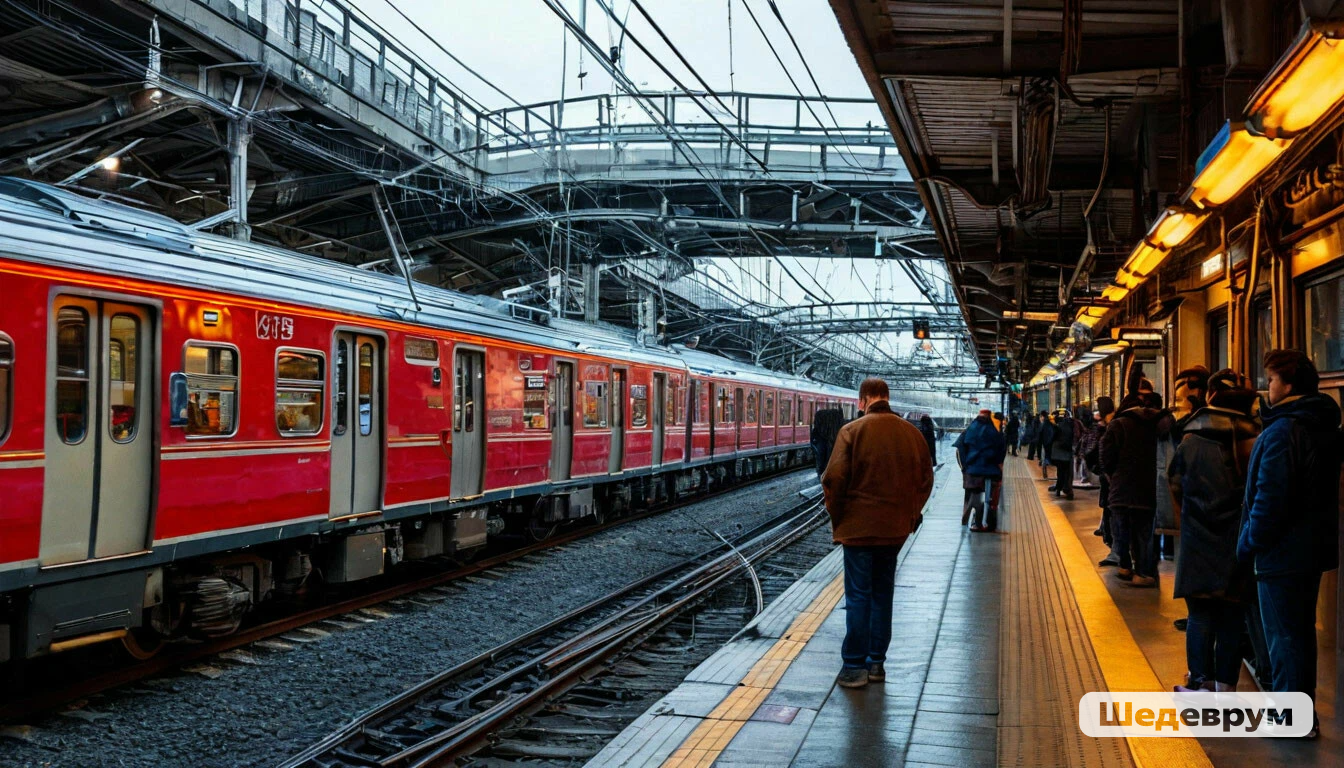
(981, 448)
(1129, 456)
(1290, 518)
(1207, 478)
(878, 479)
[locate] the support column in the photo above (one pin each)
(592, 274)
(240, 135)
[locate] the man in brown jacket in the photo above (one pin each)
(876, 483)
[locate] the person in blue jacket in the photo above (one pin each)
(980, 452)
(1290, 515)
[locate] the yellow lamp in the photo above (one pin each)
(1230, 163)
(1174, 227)
(1115, 293)
(1306, 83)
(1144, 259)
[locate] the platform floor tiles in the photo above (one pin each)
(994, 642)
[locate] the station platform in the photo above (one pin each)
(996, 637)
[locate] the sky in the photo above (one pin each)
(519, 46)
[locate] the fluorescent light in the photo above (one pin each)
(110, 163)
(1233, 160)
(1115, 293)
(1174, 227)
(1306, 83)
(1212, 266)
(1144, 260)
(1136, 334)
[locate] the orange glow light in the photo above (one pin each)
(1174, 227)
(1237, 163)
(1307, 82)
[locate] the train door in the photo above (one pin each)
(357, 426)
(562, 425)
(740, 413)
(616, 460)
(100, 440)
(692, 416)
(659, 416)
(468, 423)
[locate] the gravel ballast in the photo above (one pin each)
(263, 703)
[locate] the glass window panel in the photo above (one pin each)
(6, 384)
(768, 414)
(669, 403)
(639, 405)
(594, 403)
(422, 350)
(751, 407)
(365, 389)
(299, 381)
(786, 410)
(212, 390)
(123, 346)
(1325, 332)
(72, 374)
(1261, 342)
(340, 404)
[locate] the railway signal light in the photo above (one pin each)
(921, 329)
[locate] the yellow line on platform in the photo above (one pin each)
(1122, 662)
(713, 735)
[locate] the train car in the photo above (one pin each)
(191, 425)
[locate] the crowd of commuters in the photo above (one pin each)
(1251, 483)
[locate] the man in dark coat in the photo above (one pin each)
(1061, 453)
(1011, 433)
(1290, 519)
(980, 452)
(1128, 456)
(930, 433)
(1030, 430)
(1207, 478)
(826, 426)
(876, 484)
(1044, 438)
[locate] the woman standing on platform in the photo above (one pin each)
(1207, 477)
(1061, 454)
(1044, 438)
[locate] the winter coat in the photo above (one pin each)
(826, 426)
(1207, 479)
(1089, 444)
(1030, 430)
(1061, 444)
(981, 448)
(1012, 431)
(930, 438)
(1129, 458)
(878, 479)
(1290, 517)
(1046, 435)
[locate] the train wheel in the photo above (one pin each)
(540, 530)
(142, 643)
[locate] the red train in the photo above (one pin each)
(190, 425)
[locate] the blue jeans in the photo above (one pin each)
(1135, 537)
(1288, 609)
(870, 585)
(1213, 640)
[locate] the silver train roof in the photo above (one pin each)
(46, 224)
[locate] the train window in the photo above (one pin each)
(72, 374)
(1325, 341)
(212, 389)
(299, 384)
(674, 402)
(768, 410)
(751, 416)
(421, 351)
(122, 370)
(6, 383)
(595, 404)
(786, 410)
(365, 390)
(1262, 340)
(340, 403)
(725, 407)
(639, 405)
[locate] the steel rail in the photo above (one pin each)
(564, 663)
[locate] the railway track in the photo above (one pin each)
(48, 697)
(460, 710)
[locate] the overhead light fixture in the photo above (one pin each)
(1134, 335)
(1143, 261)
(1174, 227)
(110, 164)
(1306, 83)
(1233, 160)
(1115, 293)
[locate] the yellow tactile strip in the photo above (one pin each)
(1122, 662)
(713, 735)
